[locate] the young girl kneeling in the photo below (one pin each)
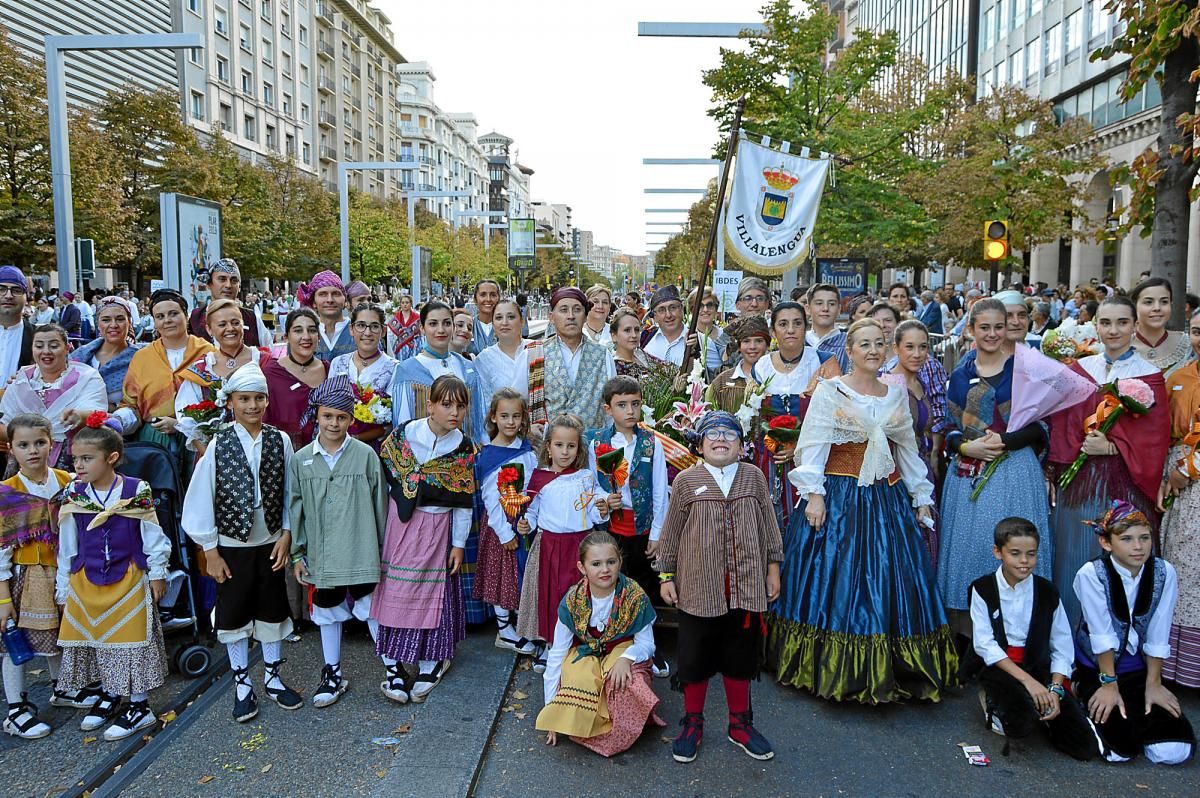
(597, 680)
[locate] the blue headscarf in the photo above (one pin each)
(715, 419)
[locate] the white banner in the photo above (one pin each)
(772, 208)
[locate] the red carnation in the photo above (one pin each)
(508, 476)
(783, 422)
(603, 449)
(96, 419)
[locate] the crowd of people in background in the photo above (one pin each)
(886, 496)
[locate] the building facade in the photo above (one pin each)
(508, 179)
(942, 33)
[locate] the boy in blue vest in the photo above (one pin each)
(236, 510)
(1023, 650)
(642, 500)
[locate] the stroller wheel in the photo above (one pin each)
(193, 661)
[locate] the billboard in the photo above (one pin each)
(522, 243)
(191, 241)
(848, 275)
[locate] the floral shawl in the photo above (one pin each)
(113, 371)
(631, 612)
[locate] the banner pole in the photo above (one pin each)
(690, 353)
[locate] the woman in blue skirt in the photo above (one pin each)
(859, 617)
(978, 403)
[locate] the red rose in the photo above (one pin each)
(96, 419)
(783, 422)
(603, 449)
(507, 476)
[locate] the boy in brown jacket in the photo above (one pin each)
(719, 558)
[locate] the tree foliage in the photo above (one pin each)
(26, 214)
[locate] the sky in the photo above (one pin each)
(584, 98)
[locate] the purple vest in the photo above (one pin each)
(106, 551)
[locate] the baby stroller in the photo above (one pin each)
(154, 465)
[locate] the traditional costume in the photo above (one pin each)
(498, 571)
(151, 382)
(340, 342)
(338, 512)
(1016, 487)
(498, 370)
(1025, 623)
(256, 331)
(200, 383)
(590, 635)
(718, 539)
(728, 390)
(79, 387)
(1129, 613)
(1133, 474)
(404, 334)
(562, 512)
(787, 395)
(562, 381)
(376, 375)
(237, 505)
(413, 378)
(112, 371)
(419, 603)
(859, 617)
(109, 548)
(832, 343)
(287, 409)
(921, 409)
(1181, 526)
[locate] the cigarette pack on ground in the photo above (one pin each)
(975, 755)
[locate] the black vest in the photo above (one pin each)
(234, 499)
(1037, 637)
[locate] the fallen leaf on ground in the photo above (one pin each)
(205, 779)
(666, 739)
(167, 717)
(404, 728)
(381, 773)
(266, 768)
(1142, 786)
(254, 741)
(89, 740)
(520, 715)
(520, 695)
(506, 708)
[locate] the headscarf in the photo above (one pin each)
(247, 379)
(715, 419)
(334, 392)
(227, 266)
(307, 292)
(668, 293)
(67, 295)
(745, 327)
(570, 292)
(11, 275)
(1120, 511)
(357, 288)
(117, 301)
(1010, 298)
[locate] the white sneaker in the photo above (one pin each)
(989, 718)
(23, 722)
(423, 683)
(137, 715)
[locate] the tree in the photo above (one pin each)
(378, 239)
(26, 210)
(1163, 40)
(1004, 157)
(96, 193)
(683, 254)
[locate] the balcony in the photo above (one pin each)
(415, 130)
(406, 157)
(356, 133)
(327, 153)
(427, 160)
(356, 102)
(325, 13)
(377, 87)
(326, 85)
(326, 49)
(426, 187)
(355, 70)
(407, 186)
(326, 119)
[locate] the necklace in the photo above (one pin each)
(444, 358)
(790, 364)
(230, 362)
(366, 360)
(303, 366)
(1153, 353)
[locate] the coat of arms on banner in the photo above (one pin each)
(773, 208)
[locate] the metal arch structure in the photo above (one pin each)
(56, 112)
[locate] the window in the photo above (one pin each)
(1074, 35)
(1053, 48)
(304, 74)
(1032, 61)
(307, 153)
(270, 140)
(304, 113)
(196, 105)
(195, 6)
(249, 127)
(247, 83)
(266, 51)
(226, 117)
(268, 93)
(1016, 68)
(222, 69)
(244, 37)
(302, 34)
(1002, 8)
(221, 21)
(285, 24)
(285, 62)
(1098, 23)
(264, 9)
(1035, 7)
(290, 145)
(194, 55)
(287, 103)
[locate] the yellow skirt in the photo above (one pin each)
(107, 616)
(580, 707)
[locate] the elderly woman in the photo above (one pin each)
(595, 325)
(64, 392)
(113, 351)
(202, 379)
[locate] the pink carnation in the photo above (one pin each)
(1136, 390)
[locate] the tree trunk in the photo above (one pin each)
(1169, 241)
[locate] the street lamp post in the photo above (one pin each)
(56, 112)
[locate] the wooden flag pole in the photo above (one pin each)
(691, 352)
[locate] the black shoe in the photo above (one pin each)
(285, 697)
(331, 687)
(137, 715)
(244, 709)
(101, 712)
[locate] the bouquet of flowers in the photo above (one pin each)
(782, 430)
(207, 415)
(1071, 341)
(751, 407)
(688, 414)
(611, 462)
(1120, 397)
(371, 406)
(510, 483)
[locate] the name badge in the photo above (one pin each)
(974, 381)
(1176, 387)
(645, 459)
(294, 387)
(307, 462)
(701, 489)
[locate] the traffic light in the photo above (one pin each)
(995, 240)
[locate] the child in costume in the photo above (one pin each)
(112, 569)
(1128, 597)
(597, 680)
(1022, 647)
(719, 558)
(337, 506)
(28, 567)
(501, 553)
(236, 510)
(566, 503)
(429, 464)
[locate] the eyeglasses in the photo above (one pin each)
(12, 290)
(363, 326)
(708, 305)
(720, 435)
(754, 298)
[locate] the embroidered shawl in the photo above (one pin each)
(139, 506)
(976, 405)
(81, 388)
(1183, 390)
(631, 612)
(150, 382)
(113, 371)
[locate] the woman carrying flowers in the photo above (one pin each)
(1096, 459)
(369, 370)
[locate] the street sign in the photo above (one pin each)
(85, 259)
(522, 243)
